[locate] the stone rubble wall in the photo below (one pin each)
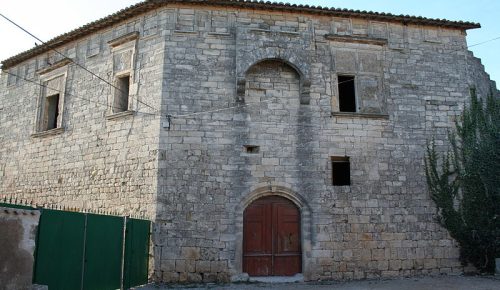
(479, 78)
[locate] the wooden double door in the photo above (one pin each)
(271, 238)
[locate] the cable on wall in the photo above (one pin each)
(73, 61)
(73, 95)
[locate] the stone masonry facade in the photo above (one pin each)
(207, 81)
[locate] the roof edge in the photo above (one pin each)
(148, 5)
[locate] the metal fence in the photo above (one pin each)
(90, 251)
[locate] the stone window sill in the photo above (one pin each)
(360, 115)
(120, 115)
(213, 33)
(51, 132)
(91, 55)
(180, 31)
(274, 31)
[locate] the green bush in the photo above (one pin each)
(465, 183)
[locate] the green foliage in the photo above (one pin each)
(465, 183)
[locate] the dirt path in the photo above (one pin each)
(419, 283)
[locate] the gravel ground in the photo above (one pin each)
(418, 283)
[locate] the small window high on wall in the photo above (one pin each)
(341, 170)
(347, 93)
(120, 103)
(51, 112)
(51, 101)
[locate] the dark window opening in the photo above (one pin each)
(52, 111)
(252, 148)
(341, 171)
(121, 95)
(347, 94)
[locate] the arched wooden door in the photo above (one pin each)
(271, 238)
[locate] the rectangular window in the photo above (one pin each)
(347, 93)
(341, 170)
(51, 112)
(50, 102)
(120, 103)
(252, 149)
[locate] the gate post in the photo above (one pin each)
(84, 250)
(124, 237)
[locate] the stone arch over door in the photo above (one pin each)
(305, 223)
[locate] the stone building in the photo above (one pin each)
(264, 138)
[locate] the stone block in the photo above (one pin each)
(180, 265)
(190, 253)
(202, 266)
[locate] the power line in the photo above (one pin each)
(237, 106)
(486, 41)
(100, 78)
(156, 110)
(220, 109)
(73, 95)
(76, 63)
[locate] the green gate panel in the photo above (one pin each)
(59, 253)
(136, 252)
(103, 252)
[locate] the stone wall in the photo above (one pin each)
(95, 159)
(206, 83)
(18, 228)
(479, 78)
(225, 91)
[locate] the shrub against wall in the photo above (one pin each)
(465, 183)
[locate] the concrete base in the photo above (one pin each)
(278, 279)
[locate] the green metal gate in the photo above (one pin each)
(136, 253)
(90, 251)
(59, 249)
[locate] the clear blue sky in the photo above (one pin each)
(49, 18)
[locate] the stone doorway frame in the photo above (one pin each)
(305, 223)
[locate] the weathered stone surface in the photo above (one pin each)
(18, 228)
(232, 78)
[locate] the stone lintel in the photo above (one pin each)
(356, 39)
(56, 65)
(124, 38)
(119, 115)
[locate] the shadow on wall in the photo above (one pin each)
(18, 228)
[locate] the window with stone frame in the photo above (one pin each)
(123, 52)
(357, 80)
(51, 100)
(346, 93)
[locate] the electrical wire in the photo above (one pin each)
(73, 95)
(76, 63)
(220, 109)
(100, 78)
(237, 106)
(486, 41)
(157, 110)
